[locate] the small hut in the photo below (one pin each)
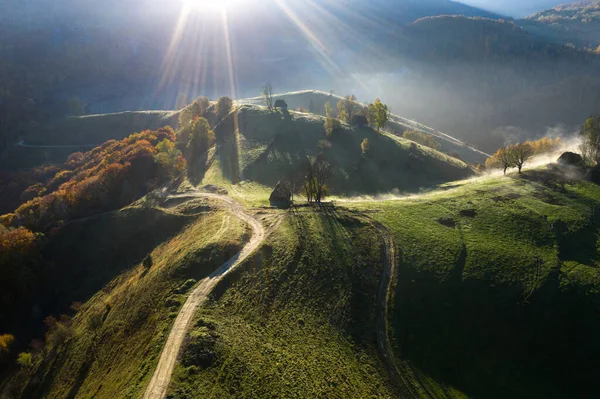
(281, 197)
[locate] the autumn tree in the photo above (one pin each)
(199, 108)
(545, 145)
(378, 114)
(520, 154)
(328, 110)
(170, 158)
(500, 160)
(347, 107)
(365, 146)
(331, 126)
(267, 95)
(7, 342)
(223, 107)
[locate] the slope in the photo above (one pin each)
(254, 144)
(497, 287)
(298, 320)
(314, 101)
(112, 344)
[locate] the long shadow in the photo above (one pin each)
(81, 375)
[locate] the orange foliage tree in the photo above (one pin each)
(103, 179)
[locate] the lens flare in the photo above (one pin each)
(207, 5)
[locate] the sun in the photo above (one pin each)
(207, 5)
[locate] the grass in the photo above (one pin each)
(263, 147)
(296, 321)
(496, 294)
(137, 307)
(314, 102)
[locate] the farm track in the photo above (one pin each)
(159, 384)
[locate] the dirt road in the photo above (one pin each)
(159, 384)
(383, 297)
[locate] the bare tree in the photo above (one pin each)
(309, 181)
(267, 93)
(520, 153)
(323, 172)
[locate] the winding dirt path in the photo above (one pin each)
(159, 384)
(383, 297)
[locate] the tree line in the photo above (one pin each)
(517, 155)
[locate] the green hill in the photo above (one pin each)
(254, 144)
(111, 345)
(496, 296)
(313, 101)
(45, 144)
(497, 292)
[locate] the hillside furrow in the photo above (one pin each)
(159, 384)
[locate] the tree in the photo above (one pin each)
(328, 110)
(331, 126)
(201, 138)
(590, 137)
(199, 108)
(545, 145)
(309, 180)
(169, 159)
(323, 171)
(360, 120)
(365, 146)
(501, 159)
(267, 94)
(347, 107)
(224, 106)
(519, 154)
(378, 114)
(7, 342)
(25, 360)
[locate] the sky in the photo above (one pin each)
(515, 8)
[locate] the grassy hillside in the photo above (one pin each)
(296, 321)
(113, 342)
(497, 291)
(265, 147)
(314, 102)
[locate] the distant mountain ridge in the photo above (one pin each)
(577, 22)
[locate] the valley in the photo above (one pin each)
(267, 199)
(395, 292)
